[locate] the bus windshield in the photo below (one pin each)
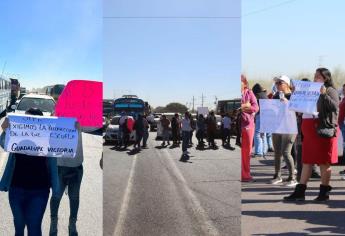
(129, 106)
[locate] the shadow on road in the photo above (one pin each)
(133, 152)
(333, 220)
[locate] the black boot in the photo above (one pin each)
(324, 193)
(298, 194)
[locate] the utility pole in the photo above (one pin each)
(3, 69)
(216, 101)
(202, 99)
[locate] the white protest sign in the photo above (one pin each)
(275, 117)
(41, 136)
(305, 96)
(203, 111)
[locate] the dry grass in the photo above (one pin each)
(338, 75)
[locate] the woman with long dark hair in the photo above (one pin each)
(319, 139)
(28, 180)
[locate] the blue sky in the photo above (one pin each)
(47, 42)
(294, 37)
(172, 59)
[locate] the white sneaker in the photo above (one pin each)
(291, 183)
(276, 181)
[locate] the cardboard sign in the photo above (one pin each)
(82, 100)
(203, 110)
(305, 97)
(41, 136)
(275, 117)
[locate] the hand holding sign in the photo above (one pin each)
(305, 97)
(82, 99)
(41, 136)
(275, 117)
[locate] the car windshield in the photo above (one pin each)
(45, 105)
(115, 121)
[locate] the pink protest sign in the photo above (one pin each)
(82, 99)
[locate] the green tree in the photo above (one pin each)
(159, 110)
(175, 107)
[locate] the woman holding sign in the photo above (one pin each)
(249, 107)
(283, 143)
(28, 180)
(319, 139)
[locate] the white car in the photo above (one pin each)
(112, 133)
(43, 102)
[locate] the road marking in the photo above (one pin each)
(201, 215)
(125, 202)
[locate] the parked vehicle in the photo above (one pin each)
(43, 102)
(54, 90)
(15, 90)
(112, 133)
(5, 95)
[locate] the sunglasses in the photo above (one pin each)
(279, 82)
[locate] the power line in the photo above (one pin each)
(171, 17)
(202, 17)
(268, 8)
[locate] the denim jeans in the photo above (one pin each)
(269, 140)
(28, 207)
(185, 140)
(69, 177)
(145, 137)
(166, 135)
(139, 137)
(260, 139)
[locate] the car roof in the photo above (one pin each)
(33, 95)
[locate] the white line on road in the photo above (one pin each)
(199, 212)
(125, 202)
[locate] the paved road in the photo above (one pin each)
(152, 193)
(264, 212)
(90, 221)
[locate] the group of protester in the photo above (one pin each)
(128, 124)
(205, 128)
(28, 180)
(176, 129)
(315, 143)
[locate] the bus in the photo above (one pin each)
(108, 107)
(54, 90)
(15, 90)
(130, 104)
(5, 95)
(228, 106)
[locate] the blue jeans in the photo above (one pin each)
(260, 139)
(185, 140)
(145, 137)
(69, 177)
(269, 140)
(28, 207)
